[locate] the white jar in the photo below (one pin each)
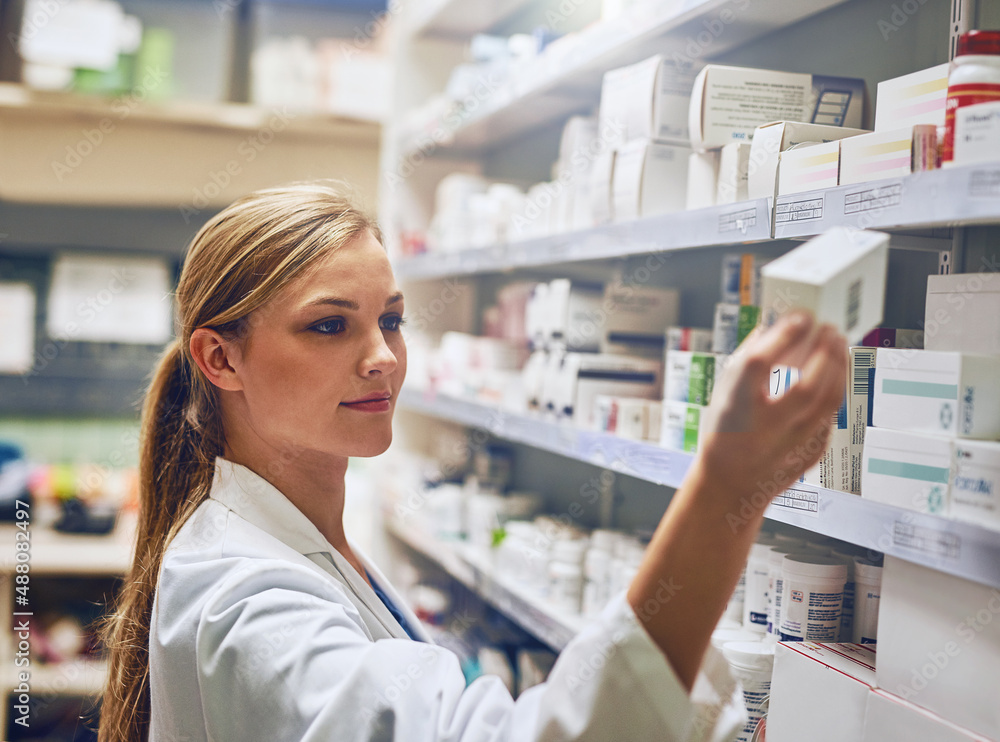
(751, 665)
(774, 579)
(974, 78)
(868, 591)
(565, 586)
(754, 616)
(734, 608)
(722, 637)
(812, 595)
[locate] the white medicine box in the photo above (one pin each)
(819, 692)
(809, 167)
(907, 470)
(636, 318)
(838, 276)
(940, 393)
(647, 100)
(891, 719)
(917, 98)
(649, 178)
(939, 644)
(770, 140)
(975, 484)
(962, 313)
(734, 173)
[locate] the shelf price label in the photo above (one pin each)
(737, 221)
(798, 210)
(984, 183)
(799, 498)
(873, 199)
(926, 540)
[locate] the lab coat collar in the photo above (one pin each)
(261, 504)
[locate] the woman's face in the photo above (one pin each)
(324, 361)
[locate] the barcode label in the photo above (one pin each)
(798, 499)
(873, 198)
(863, 360)
(853, 303)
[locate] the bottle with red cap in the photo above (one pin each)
(974, 78)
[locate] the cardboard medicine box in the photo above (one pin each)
(941, 393)
(838, 276)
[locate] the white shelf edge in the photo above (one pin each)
(955, 547)
(961, 196)
(645, 29)
(473, 570)
(442, 18)
(743, 222)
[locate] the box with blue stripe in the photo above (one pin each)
(945, 393)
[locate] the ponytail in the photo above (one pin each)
(241, 259)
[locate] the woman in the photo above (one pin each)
(249, 615)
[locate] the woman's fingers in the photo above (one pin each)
(763, 351)
(822, 381)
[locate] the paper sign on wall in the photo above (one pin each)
(107, 298)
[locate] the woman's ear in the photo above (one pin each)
(214, 356)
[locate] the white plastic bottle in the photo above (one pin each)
(751, 664)
(974, 78)
(812, 595)
(755, 594)
(868, 590)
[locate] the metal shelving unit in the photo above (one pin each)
(744, 222)
(960, 196)
(958, 548)
(566, 78)
(474, 570)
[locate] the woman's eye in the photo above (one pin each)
(329, 327)
(392, 324)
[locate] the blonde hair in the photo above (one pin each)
(242, 258)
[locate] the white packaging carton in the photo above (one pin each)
(601, 177)
(809, 167)
(681, 425)
(977, 134)
(729, 103)
(975, 483)
(698, 339)
(962, 313)
(884, 154)
(577, 317)
(734, 173)
(907, 470)
(649, 179)
(939, 644)
(771, 139)
(833, 470)
(552, 382)
(819, 692)
(703, 179)
(891, 719)
(859, 383)
(725, 328)
(941, 393)
(648, 100)
(838, 276)
(689, 377)
(917, 98)
(585, 376)
(635, 317)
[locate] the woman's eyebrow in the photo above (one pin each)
(349, 304)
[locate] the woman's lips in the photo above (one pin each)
(369, 405)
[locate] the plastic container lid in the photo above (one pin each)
(979, 42)
(569, 550)
(721, 637)
(784, 538)
(565, 570)
(777, 553)
(812, 547)
(814, 565)
(757, 655)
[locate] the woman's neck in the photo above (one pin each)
(311, 481)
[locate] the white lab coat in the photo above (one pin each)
(261, 630)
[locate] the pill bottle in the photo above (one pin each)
(755, 593)
(722, 637)
(751, 665)
(596, 580)
(774, 579)
(812, 595)
(734, 608)
(565, 586)
(867, 590)
(974, 78)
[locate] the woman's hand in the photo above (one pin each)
(753, 443)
